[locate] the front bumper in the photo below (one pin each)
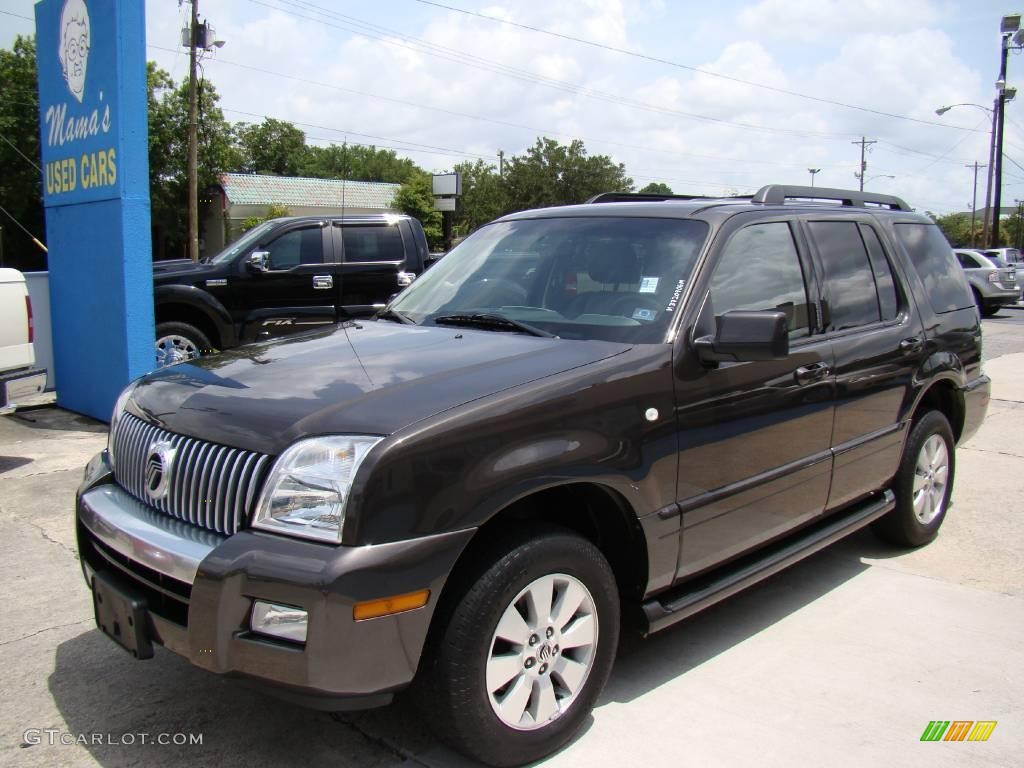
(199, 588)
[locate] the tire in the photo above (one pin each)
(454, 690)
(178, 342)
(990, 310)
(929, 447)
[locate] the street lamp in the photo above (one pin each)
(992, 113)
(813, 171)
(879, 176)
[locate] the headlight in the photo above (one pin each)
(115, 418)
(306, 491)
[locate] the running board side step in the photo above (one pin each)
(675, 605)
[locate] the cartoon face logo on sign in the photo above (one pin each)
(73, 50)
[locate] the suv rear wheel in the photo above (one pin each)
(924, 484)
(526, 650)
(177, 342)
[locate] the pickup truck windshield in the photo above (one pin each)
(607, 278)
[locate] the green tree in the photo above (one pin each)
(168, 155)
(356, 163)
(656, 188)
(957, 229)
(274, 211)
(555, 174)
(21, 192)
(416, 198)
(273, 146)
(483, 196)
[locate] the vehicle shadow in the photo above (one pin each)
(53, 418)
(98, 689)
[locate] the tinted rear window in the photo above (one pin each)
(372, 243)
(933, 261)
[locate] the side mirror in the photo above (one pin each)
(744, 336)
(259, 261)
(405, 278)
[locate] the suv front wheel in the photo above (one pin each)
(526, 650)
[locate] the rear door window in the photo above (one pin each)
(372, 244)
(851, 281)
(885, 282)
(933, 261)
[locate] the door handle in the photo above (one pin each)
(323, 281)
(807, 374)
(913, 344)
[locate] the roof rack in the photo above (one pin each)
(641, 197)
(777, 194)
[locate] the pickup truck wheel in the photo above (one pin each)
(526, 651)
(923, 485)
(177, 342)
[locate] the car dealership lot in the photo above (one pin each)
(842, 660)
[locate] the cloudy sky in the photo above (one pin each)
(722, 97)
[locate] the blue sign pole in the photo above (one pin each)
(91, 59)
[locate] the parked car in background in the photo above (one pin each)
(284, 276)
(19, 378)
(1008, 255)
(993, 281)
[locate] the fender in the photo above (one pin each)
(202, 301)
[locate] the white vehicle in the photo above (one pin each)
(19, 378)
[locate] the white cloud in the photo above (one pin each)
(825, 20)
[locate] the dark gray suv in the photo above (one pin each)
(626, 409)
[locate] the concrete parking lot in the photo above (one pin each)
(840, 661)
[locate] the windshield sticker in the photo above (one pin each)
(675, 296)
(648, 285)
(644, 314)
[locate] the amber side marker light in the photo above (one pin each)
(385, 606)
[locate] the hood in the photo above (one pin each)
(374, 377)
(177, 267)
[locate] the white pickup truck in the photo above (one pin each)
(19, 378)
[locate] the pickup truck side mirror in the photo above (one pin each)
(259, 261)
(743, 336)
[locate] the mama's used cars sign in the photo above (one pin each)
(91, 60)
(78, 106)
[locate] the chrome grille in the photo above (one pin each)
(211, 486)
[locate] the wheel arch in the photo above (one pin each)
(187, 304)
(945, 396)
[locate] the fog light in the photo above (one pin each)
(284, 621)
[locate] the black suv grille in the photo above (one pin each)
(210, 485)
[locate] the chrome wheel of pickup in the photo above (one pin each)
(174, 349)
(542, 651)
(930, 478)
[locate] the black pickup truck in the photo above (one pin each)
(286, 275)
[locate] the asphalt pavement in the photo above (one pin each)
(841, 661)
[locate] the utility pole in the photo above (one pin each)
(986, 228)
(1020, 229)
(193, 140)
(813, 171)
(501, 163)
(997, 195)
(974, 198)
(864, 142)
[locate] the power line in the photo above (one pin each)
(697, 70)
(24, 229)
(27, 158)
(536, 131)
(17, 15)
(418, 45)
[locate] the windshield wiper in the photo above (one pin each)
(394, 314)
(495, 322)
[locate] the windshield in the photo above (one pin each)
(608, 278)
(245, 242)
